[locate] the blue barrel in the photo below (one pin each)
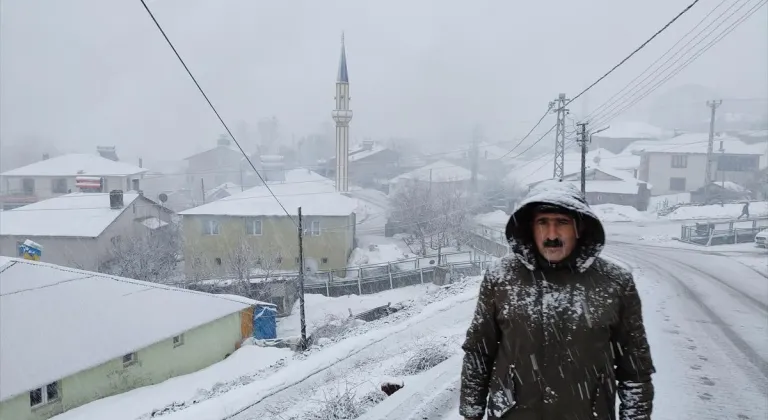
(264, 322)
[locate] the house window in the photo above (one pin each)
(59, 185)
(314, 228)
(679, 161)
(211, 227)
(324, 260)
(44, 395)
(178, 340)
(297, 260)
(253, 226)
(28, 186)
(279, 260)
(738, 163)
(677, 184)
(217, 261)
(129, 359)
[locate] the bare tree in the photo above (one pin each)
(433, 215)
(150, 255)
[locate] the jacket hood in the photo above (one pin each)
(519, 230)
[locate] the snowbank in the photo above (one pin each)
(715, 211)
(618, 213)
(493, 219)
(376, 254)
(241, 368)
(319, 308)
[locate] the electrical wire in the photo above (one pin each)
(528, 134)
(213, 108)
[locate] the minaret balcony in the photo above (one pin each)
(342, 116)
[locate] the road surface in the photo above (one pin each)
(707, 322)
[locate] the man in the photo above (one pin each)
(744, 210)
(558, 331)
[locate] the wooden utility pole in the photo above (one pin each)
(202, 188)
(303, 343)
(583, 143)
(708, 175)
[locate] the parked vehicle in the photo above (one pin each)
(761, 239)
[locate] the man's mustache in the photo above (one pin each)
(553, 243)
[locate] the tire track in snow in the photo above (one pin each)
(712, 365)
(743, 295)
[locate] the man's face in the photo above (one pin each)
(555, 235)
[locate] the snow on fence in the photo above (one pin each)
(722, 233)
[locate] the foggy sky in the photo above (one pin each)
(81, 73)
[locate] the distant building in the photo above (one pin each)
(213, 167)
(252, 225)
(621, 134)
(610, 186)
(70, 337)
(441, 172)
(371, 165)
(80, 229)
(58, 176)
(679, 164)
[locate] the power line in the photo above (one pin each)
(202, 92)
(690, 60)
(529, 133)
(687, 8)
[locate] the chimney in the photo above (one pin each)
(223, 140)
(116, 199)
(368, 145)
(107, 152)
(46, 156)
(141, 163)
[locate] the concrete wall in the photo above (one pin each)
(278, 238)
(203, 346)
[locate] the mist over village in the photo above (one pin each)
(349, 210)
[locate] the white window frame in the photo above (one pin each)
(131, 361)
(679, 161)
(208, 227)
(178, 340)
(314, 228)
(250, 224)
(44, 398)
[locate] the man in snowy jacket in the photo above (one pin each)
(558, 331)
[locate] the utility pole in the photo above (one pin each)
(559, 105)
(583, 143)
(202, 188)
(708, 175)
(303, 343)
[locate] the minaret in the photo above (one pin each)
(342, 115)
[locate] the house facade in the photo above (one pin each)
(214, 167)
(80, 230)
(679, 164)
(58, 176)
(611, 186)
(253, 226)
(190, 331)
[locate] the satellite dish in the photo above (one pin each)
(163, 197)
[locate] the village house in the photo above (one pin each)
(610, 186)
(621, 134)
(679, 164)
(70, 337)
(250, 231)
(441, 173)
(81, 229)
(58, 176)
(370, 165)
(214, 167)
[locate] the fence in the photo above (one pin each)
(722, 233)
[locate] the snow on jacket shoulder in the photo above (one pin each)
(543, 342)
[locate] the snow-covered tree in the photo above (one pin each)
(146, 255)
(433, 216)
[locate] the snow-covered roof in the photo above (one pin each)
(76, 164)
(697, 143)
(440, 171)
(229, 187)
(624, 160)
(632, 130)
(542, 168)
(366, 153)
(315, 195)
(219, 148)
(83, 215)
(54, 320)
(624, 182)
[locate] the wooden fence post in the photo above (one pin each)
(389, 271)
(328, 284)
(421, 275)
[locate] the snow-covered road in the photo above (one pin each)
(707, 322)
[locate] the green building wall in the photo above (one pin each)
(203, 346)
